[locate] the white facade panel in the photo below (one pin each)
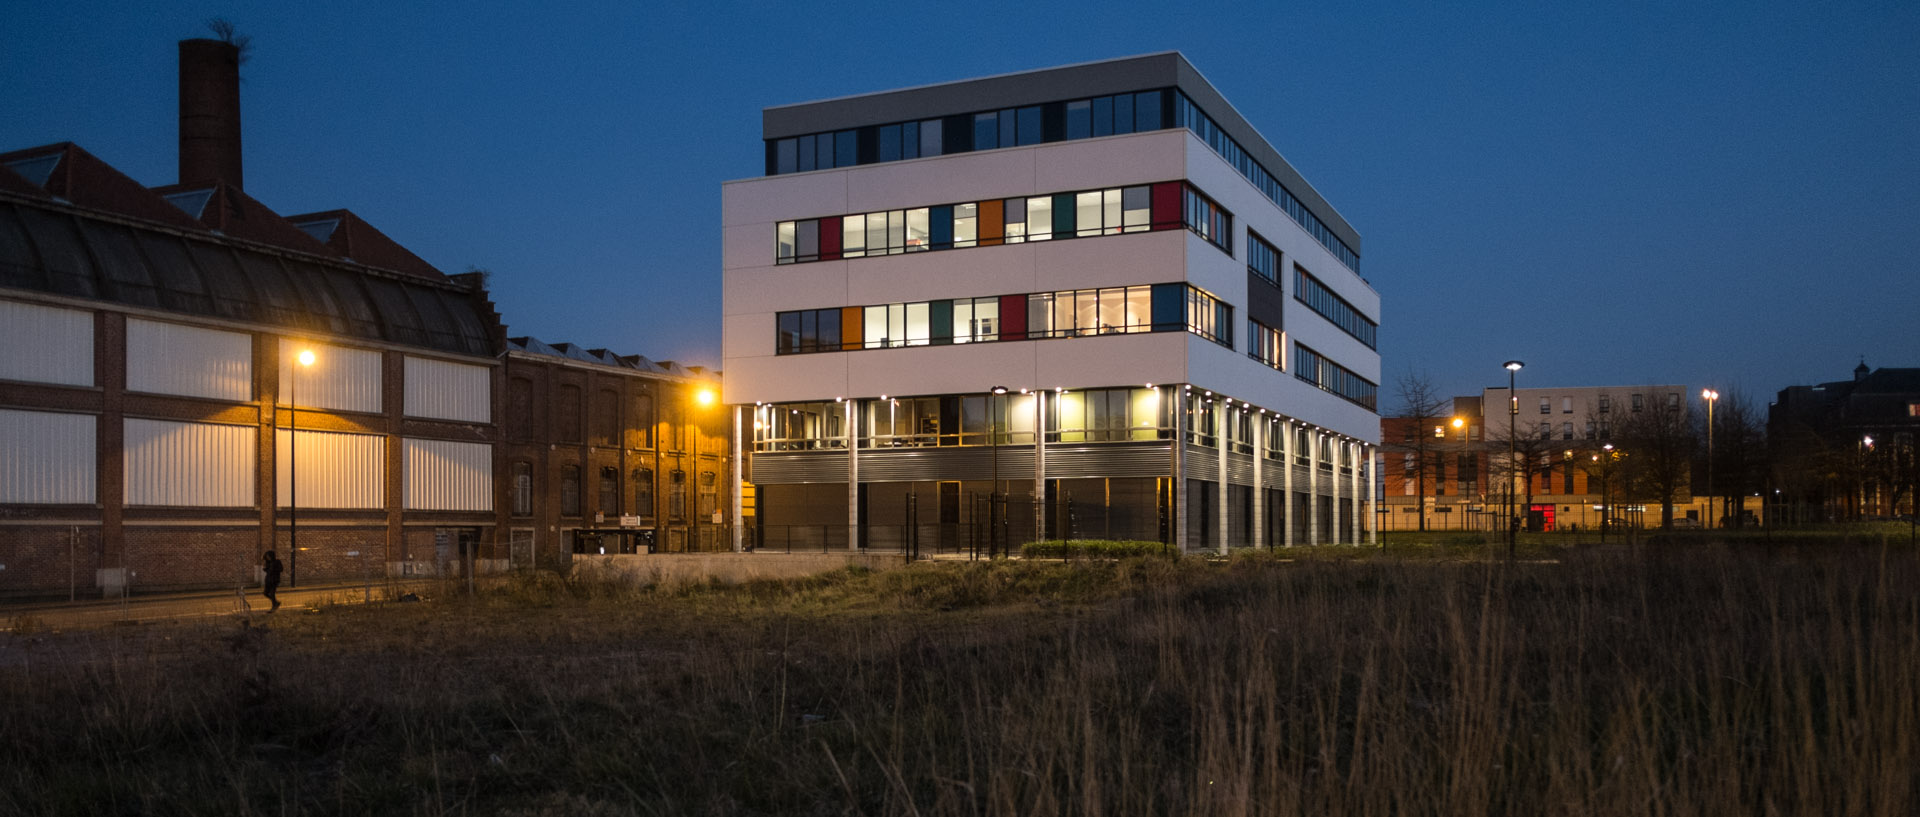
(442, 475)
(336, 470)
(987, 174)
(46, 458)
(46, 344)
(200, 465)
(783, 198)
(444, 390)
(813, 285)
(1115, 161)
(340, 378)
(172, 358)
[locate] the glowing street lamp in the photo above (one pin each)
(1711, 397)
(1513, 415)
(994, 531)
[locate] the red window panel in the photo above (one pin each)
(830, 237)
(1166, 209)
(1013, 317)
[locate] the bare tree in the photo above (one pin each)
(1659, 442)
(1422, 408)
(1739, 455)
(1533, 454)
(225, 31)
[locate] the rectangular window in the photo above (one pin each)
(1566, 431)
(1136, 209)
(522, 489)
(1039, 218)
(986, 131)
(1208, 220)
(1086, 213)
(709, 494)
(1266, 344)
(1606, 404)
(1029, 129)
(1566, 405)
(785, 159)
(1638, 402)
(1209, 317)
(966, 223)
(609, 492)
(1014, 228)
(918, 234)
(1546, 405)
(1079, 119)
(677, 494)
(889, 147)
(846, 149)
(806, 153)
(930, 137)
(1263, 259)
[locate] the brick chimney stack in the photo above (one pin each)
(209, 112)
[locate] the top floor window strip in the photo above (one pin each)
(1317, 296)
(1115, 114)
(1190, 116)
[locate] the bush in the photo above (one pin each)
(1094, 549)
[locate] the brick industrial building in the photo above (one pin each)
(157, 429)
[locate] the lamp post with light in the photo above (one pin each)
(305, 358)
(1460, 425)
(1513, 416)
(1711, 397)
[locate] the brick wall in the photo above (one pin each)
(170, 557)
(41, 561)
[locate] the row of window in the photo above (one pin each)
(1190, 116)
(1639, 403)
(1312, 367)
(984, 130)
(1207, 429)
(1111, 211)
(1308, 290)
(1088, 415)
(1069, 313)
(641, 479)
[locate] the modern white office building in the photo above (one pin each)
(1094, 292)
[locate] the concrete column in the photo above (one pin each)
(739, 447)
(1339, 458)
(853, 474)
(1178, 519)
(1221, 418)
(1039, 466)
(1286, 458)
(1313, 488)
(1258, 525)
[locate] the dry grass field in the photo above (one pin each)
(1649, 682)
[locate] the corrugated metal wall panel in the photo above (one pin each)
(46, 458)
(442, 475)
(971, 463)
(447, 391)
(199, 465)
(45, 344)
(1274, 473)
(336, 470)
(1203, 463)
(1109, 460)
(340, 378)
(1239, 469)
(792, 467)
(171, 358)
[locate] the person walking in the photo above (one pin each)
(271, 586)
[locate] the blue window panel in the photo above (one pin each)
(1169, 307)
(1009, 135)
(1030, 131)
(1079, 119)
(785, 158)
(940, 227)
(823, 151)
(1146, 111)
(986, 131)
(1123, 113)
(889, 147)
(910, 140)
(807, 155)
(846, 149)
(1103, 116)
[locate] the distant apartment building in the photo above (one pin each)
(1847, 449)
(1088, 301)
(1566, 452)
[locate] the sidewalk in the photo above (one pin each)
(63, 615)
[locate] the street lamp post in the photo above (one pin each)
(1513, 415)
(1460, 425)
(1711, 397)
(293, 468)
(994, 519)
(1605, 459)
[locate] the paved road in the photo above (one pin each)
(101, 613)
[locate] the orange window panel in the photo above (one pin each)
(993, 222)
(851, 335)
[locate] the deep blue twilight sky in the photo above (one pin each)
(1701, 193)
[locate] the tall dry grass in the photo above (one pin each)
(1699, 683)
